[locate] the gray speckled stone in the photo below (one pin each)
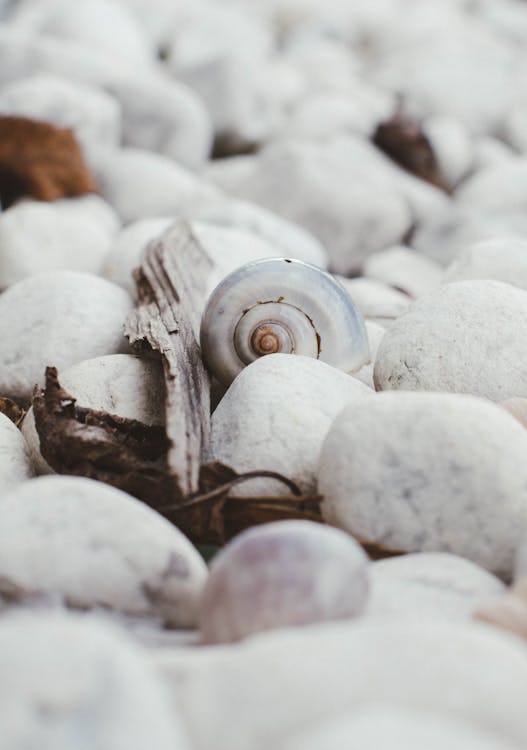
(94, 546)
(467, 337)
(432, 472)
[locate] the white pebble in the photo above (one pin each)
(465, 337)
(340, 191)
(458, 670)
(94, 546)
(292, 240)
(15, 458)
(279, 575)
(275, 416)
(38, 236)
(428, 472)
(378, 726)
(57, 319)
(404, 269)
(430, 584)
(502, 259)
(376, 300)
(375, 333)
(452, 145)
(140, 184)
(126, 252)
(93, 114)
(76, 683)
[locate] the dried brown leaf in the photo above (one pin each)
(403, 140)
(41, 161)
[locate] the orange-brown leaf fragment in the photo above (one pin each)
(12, 410)
(40, 161)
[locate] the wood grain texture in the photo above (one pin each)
(172, 283)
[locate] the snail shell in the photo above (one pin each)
(281, 305)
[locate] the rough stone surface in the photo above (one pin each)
(275, 416)
(72, 683)
(434, 472)
(429, 585)
(94, 546)
(501, 259)
(466, 337)
(15, 457)
(280, 575)
(121, 384)
(57, 318)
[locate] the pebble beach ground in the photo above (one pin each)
(263, 374)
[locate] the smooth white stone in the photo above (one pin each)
(404, 269)
(275, 416)
(56, 319)
(375, 333)
(461, 671)
(280, 575)
(15, 458)
(376, 301)
(386, 726)
(72, 682)
(430, 585)
(164, 185)
(452, 146)
(93, 546)
(92, 113)
(466, 337)
(126, 252)
(64, 235)
(502, 259)
(432, 472)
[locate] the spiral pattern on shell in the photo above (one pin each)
(279, 305)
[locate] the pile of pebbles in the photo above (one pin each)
(393, 396)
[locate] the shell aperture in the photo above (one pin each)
(280, 305)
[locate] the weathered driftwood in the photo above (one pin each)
(172, 286)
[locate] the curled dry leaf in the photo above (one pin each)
(132, 456)
(12, 410)
(403, 140)
(40, 161)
